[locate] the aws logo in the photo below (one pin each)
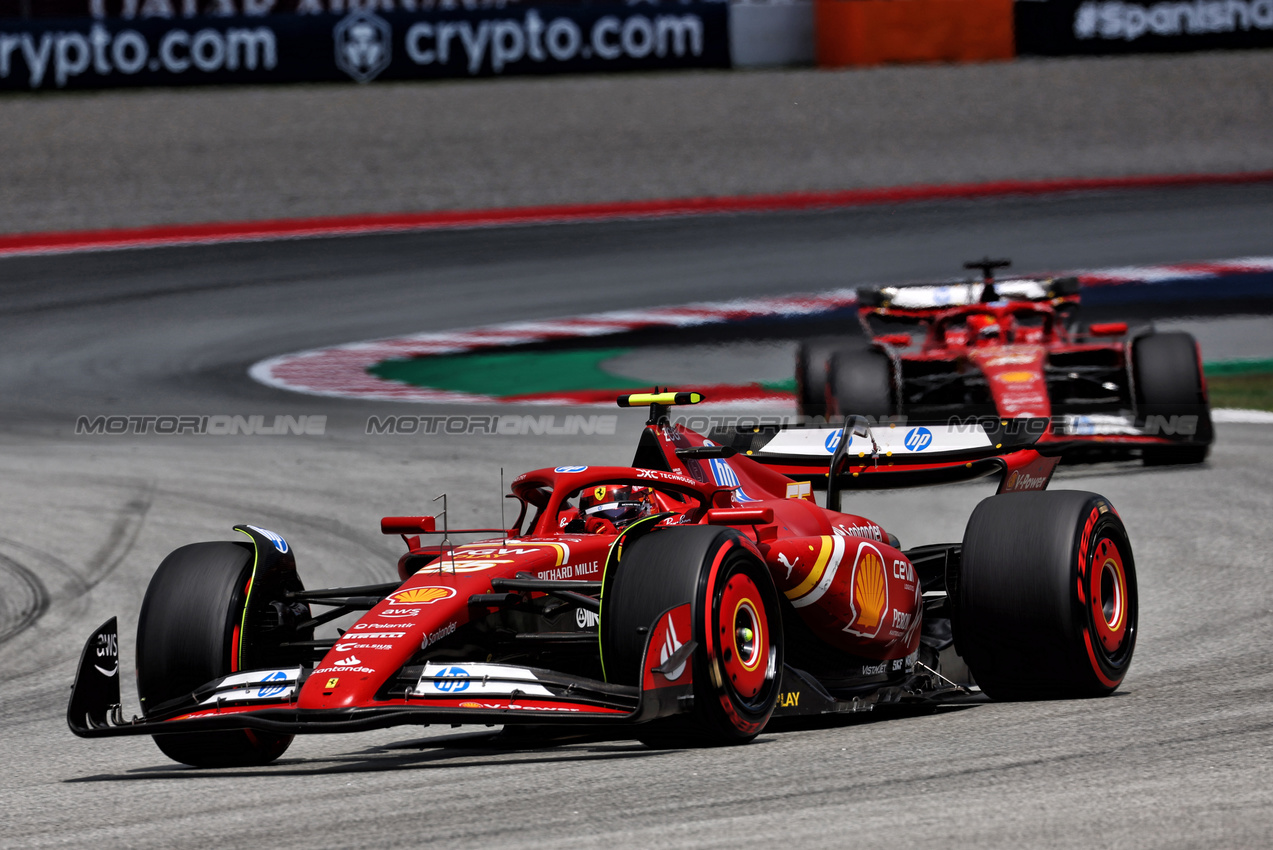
(420, 595)
(868, 596)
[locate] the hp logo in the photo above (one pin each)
(918, 439)
(452, 680)
(272, 690)
(833, 440)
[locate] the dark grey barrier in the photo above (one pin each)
(1093, 27)
(361, 46)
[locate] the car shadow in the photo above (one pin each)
(453, 751)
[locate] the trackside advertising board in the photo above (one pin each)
(1075, 27)
(361, 46)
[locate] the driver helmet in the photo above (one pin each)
(619, 503)
(985, 328)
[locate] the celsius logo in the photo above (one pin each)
(918, 439)
(277, 539)
(364, 45)
(833, 441)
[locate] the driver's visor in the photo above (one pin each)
(613, 510)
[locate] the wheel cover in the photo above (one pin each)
(744, 637)
(1108, 595)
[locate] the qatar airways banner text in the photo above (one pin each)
(362, 46)
(1076, 27)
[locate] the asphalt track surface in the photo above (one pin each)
(133, 158)
(1179, 757)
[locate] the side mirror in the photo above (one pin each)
(1107, 328)
(854, 426)
(859, 426)
(408, 525)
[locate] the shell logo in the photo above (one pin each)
(470, 705)
(1016, 377)
(421, 595)
(869, 592)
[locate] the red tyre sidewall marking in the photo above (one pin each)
(235, 660)
(1084, 546)
(1107, 558)
(746, 674)
(714, 660)
(234, 649)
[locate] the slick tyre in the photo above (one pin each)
(811, 376)
(1169, 389)
(860, 382)
(187, 636)
(737, 629)
(1045, 601)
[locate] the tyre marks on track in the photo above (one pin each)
(23, 598)
(122, 537)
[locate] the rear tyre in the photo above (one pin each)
(187, 636)
(860, 382)
(1045, 601)
(811, 377)
(1170, 386)
(737, 666)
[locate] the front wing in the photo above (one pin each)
(454, 693)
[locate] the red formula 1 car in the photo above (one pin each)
(1010, 348)
(692, 595)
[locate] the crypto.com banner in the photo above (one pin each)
(1076, 27)
(361, 46)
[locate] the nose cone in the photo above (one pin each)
(336, 689)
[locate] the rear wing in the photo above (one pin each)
(862, 456)
(928, 298)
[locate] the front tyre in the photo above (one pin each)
(1045, 600)
(737, 626)
(1170, 391)
(188, 635)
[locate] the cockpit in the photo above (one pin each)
(604, 506)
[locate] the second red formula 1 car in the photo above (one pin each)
(1010, 348)
(691, 595)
